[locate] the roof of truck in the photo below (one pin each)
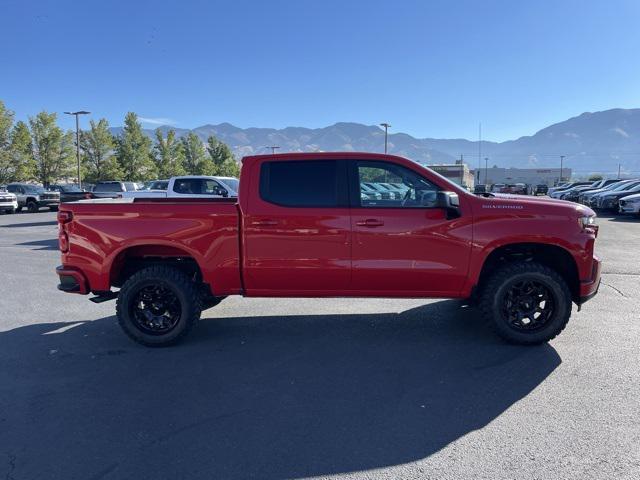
(321, 155)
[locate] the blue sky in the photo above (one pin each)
(430, 68)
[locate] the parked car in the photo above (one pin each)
(542, 189)
(559, 194)
(34, 197)
(480, 189)
(157, 185)
(630, 204)
(514, 189)
(70, 193)
(555, 192)
(585, 197)
(496, 187)
(8, 201)
(113, 189)
(303, 230)
(573, 194)
(609, 200)
(201, 186)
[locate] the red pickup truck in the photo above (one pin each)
(317, 225)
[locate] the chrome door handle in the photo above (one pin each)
(370, 222)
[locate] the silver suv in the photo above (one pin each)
(34, 197)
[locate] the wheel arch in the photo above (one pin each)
(553, 256)
(131, 259)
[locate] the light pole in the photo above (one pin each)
(273, 149)
(561, 162)
(386, 128)
(77, 114)
(486, 169)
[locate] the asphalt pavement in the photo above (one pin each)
(299, 388)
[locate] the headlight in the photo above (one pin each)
(588, 223)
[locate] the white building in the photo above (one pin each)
(530, 176)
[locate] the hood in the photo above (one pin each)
(522, 202)
(631, 198)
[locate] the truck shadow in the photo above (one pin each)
(270, 397)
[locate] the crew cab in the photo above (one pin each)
(189, 186)
(34, 197)
(303, 227)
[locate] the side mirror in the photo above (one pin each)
(450, 202)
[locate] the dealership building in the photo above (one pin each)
(530, 176)
(458, 172)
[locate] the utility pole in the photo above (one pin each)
(479, 149)
(78, 113)
(486, 169)
(273, 149)
(386, 128)
(461, 170)
(561, 162)
(618, 171)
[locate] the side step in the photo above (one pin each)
(104, 297)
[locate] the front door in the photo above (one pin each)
(297, 229)
(404, 244)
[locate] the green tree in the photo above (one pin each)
(24, 165)
(224, 162)
(7, 166)
(595, 178)
(196, 161)
(168, 155)
(98, 157)
(51, 148)
(133, 150)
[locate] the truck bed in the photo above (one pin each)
(109, 233)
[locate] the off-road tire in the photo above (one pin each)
(169, 278)
(493, 293)
(33, 207)
(19, 209)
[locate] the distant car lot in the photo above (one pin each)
(331, 387)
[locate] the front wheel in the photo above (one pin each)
(158, 306)
(33, 207)
(526, 303)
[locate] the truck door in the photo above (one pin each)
(404, 245)
(297, 229)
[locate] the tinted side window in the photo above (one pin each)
(388, 185)
(189, 186)
(314, 183)
(12, 188)
(108, 187)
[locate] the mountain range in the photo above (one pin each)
(590, 142)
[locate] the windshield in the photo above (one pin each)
(233, 183)
(108, 187)
(33, 189)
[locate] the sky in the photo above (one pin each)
(429, 68)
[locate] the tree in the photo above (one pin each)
(224, 162)
(168, 155)
(196, 161)
(51, 148)
(97, 146)
(24, 165)
(595, 178)
(6, 161)
(133, 150)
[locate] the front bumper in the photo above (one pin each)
(72, 280)
(9, 205)
(589, 288)
(631, 208)
(48, 202)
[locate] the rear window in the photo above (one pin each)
(311, 183)
(108, 187)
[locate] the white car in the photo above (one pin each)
(8, 202)
(630, 204)
(189, 186)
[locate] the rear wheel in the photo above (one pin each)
(33, 207)
(158, 306)
(19, 209)
(53, 208)
(526, 303)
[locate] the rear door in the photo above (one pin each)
(297, 229)
(405, 246)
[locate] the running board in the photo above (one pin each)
(104, 297)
